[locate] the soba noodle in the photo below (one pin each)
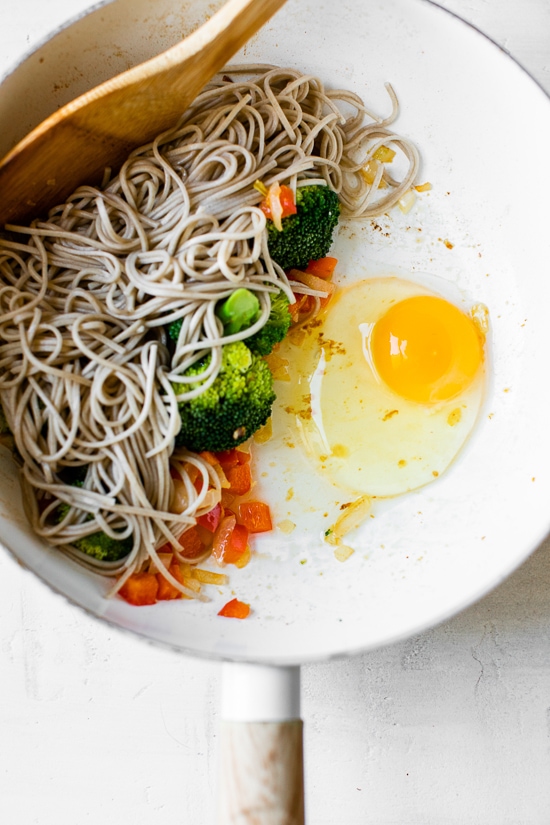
(86, 376)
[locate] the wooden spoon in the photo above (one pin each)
(99, 129)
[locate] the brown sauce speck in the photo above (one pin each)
(390, 414)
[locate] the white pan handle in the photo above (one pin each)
(261, 750)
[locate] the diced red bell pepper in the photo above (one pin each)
(191, 544)
(140, 589)
(211, 519)
(231, 458)
(240, 479)
(209, 457)
(166, 589)
(255, 515)
(227, 498)
(235, 609)
(323, 267)
(286, 204)
(237, 544)
(227, 459)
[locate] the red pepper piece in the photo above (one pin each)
(191, 543)
(286, 204)
(166, 590)
(140, 589)
(240, 479)
(235, 609)
(323, 267)
(211, 520)
(255, 515)
(237, 544)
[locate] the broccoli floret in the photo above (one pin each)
(103, 547)
(98, 544)
(236, 405)
(174, 330)
(307, 235)
(241, 310)
(238, 311)
(274, 329)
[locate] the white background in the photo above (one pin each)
(451, 727)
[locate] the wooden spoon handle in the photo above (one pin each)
(98, 129)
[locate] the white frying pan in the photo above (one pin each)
(482, 126)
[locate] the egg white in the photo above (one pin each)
(355, 430)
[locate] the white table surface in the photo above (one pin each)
(451, 727)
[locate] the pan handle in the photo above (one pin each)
(261, 749)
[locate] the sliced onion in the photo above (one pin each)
(407, 201)
(352, 517)
(274, 201)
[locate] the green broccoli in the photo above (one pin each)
(174, 330)
(236, 405)
(241, 310)
(238, 311)
(274, 329)
(103, 547)
(307, 235)
(98, 544)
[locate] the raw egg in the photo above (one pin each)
(386, 388)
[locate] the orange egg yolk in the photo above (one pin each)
(426, 349)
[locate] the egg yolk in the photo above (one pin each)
(426, 349)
